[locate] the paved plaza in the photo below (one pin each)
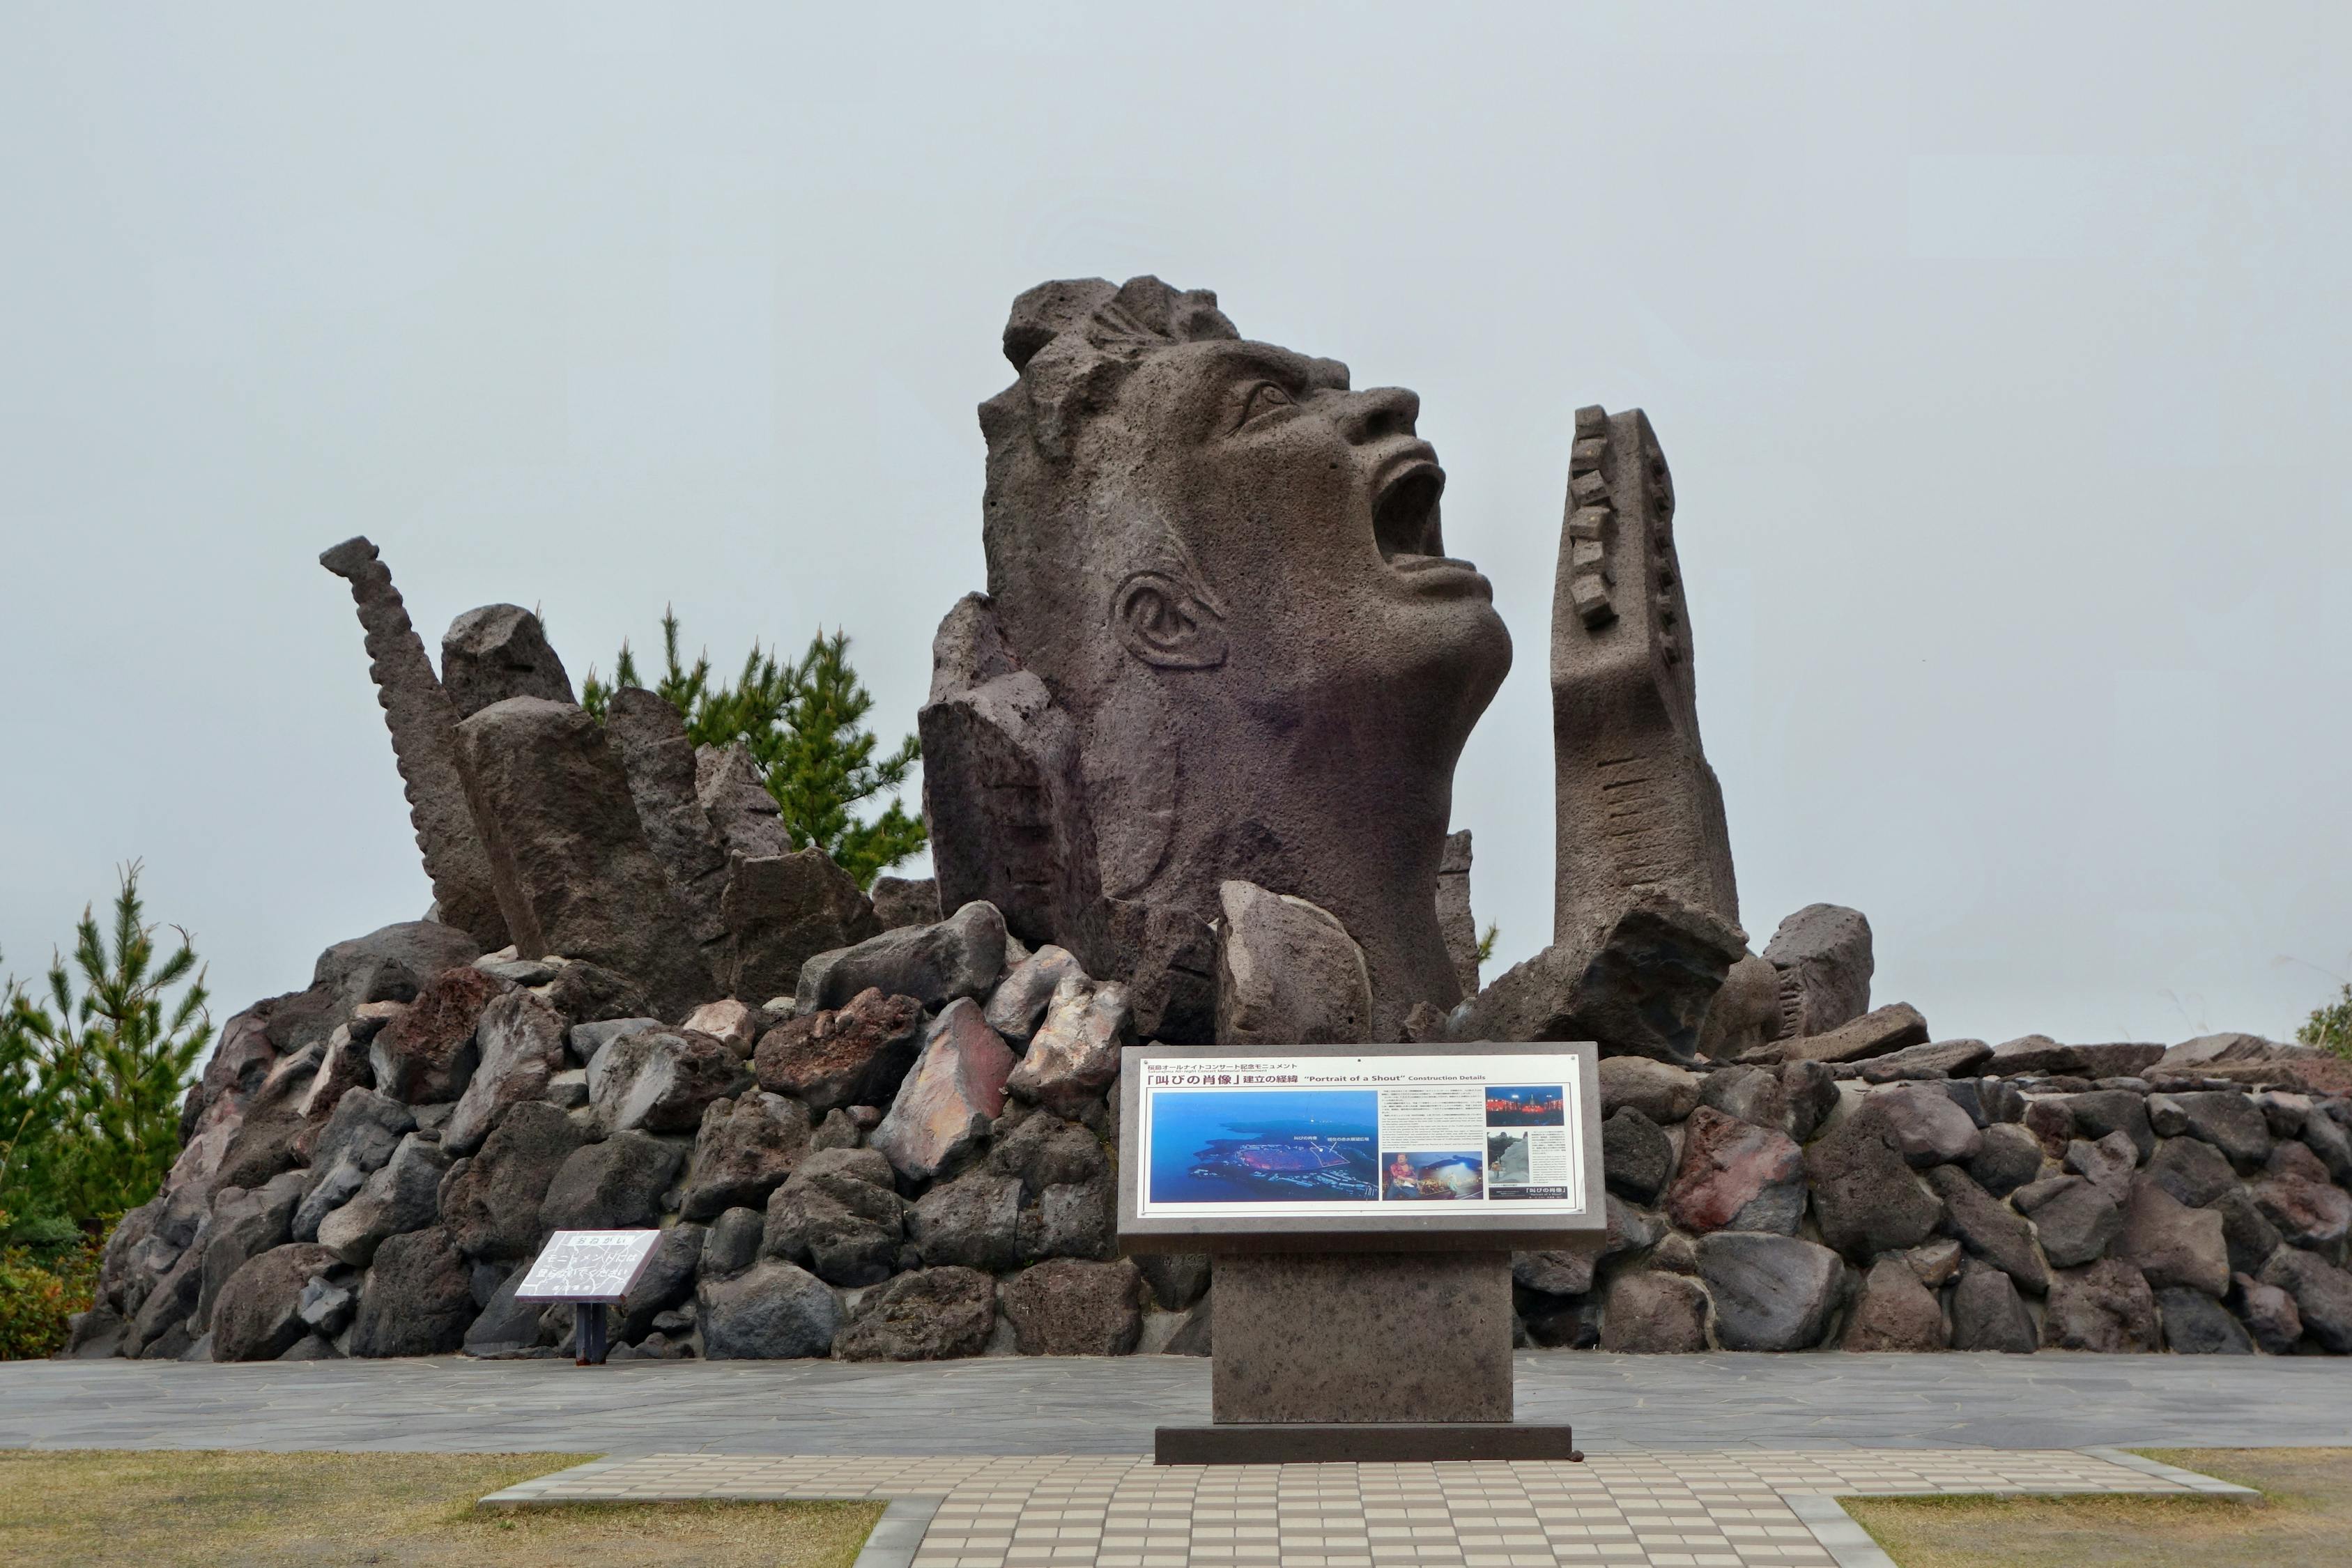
(1618, 1404)
(1717, 1460)
(1697, 1510)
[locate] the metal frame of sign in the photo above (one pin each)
(1484, 1227)
(523, 1292)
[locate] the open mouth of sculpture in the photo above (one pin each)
(1404, 514)
(1405, 520)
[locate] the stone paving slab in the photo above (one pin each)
(1724, 1508)
(1079, 1405)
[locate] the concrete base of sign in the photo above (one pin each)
(1340, 1338)
(1360, 1443)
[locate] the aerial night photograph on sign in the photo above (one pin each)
(1296, 1145)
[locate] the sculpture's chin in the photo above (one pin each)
(1450, 647)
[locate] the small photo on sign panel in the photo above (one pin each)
(1421, 1175)
(1526, 1105)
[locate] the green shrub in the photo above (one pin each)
(804, 726)
(2330, 1027)
(40, 1289)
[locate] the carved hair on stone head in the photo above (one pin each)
(1074, 341)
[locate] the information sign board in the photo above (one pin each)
(1406, 1146)
(588, 1266)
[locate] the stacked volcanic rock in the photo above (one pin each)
(910, 1157)
(1958, 1195)
(905, 1160)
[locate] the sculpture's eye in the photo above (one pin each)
(1265, 398)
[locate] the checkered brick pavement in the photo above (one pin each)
(1700, 1510)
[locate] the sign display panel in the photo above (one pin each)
(1359, 1138)
(588, 1266)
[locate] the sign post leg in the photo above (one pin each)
(588, 1333)
(1360, 1357)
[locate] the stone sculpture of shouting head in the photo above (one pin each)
(1227, 568)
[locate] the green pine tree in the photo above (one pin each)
(804, 726)
(826, 765)
(91, 1084)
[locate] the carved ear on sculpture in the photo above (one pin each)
(1167, 621)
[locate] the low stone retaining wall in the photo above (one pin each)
(1805, 1206)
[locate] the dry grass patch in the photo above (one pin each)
(153, 1508)
(2303, 1520)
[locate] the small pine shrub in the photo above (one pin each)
(2330, 1027)
(804, 727)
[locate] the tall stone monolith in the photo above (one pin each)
(423, 746)
(1639, 812)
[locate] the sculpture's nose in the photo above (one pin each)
(1380, 412)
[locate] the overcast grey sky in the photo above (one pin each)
(1998, 350)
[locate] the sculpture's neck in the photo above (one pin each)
(1325, 814)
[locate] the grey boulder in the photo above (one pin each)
(1770, 1292)
(1636, 1157)
(257, 1317)
(2323, 1296)
(960, 956)
(839, 1217)
(1988, 1229)
(1288, 971)
(662, 1080)
(2191, 1170)
(491, 1204)
(745, 1149)
(931, 1314)
(1987, 1314)
(1018, 1004)
(2105, 1306)
(773, 1311)
(1066, 1307)
(521, 1039)
(731, 1245)
(1075, 1053)
(613, 1185)
(403, 1196)
(972, 1221)
(2008, 1158)
(497, 652)
(1895, 1311)
(417, 1299)
(2074, 1221)
(358, 1139)
(1928, 1127)
(2229, 1121)
(2196, 1324)
(2174, 1245)
(1659, 1090)
(1864, 1197)
(1650, 1311)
